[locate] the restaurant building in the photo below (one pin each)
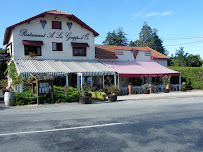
(60, 44)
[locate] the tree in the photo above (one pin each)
(117, 37)
(3, 65)
(185, 59)
(194, 60)
(148, 37)
(2, 50)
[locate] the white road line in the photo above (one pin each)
(62, 129)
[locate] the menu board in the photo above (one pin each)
(44, 87)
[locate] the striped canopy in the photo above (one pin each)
(140, 69)
(62, 67)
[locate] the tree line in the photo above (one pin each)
(148, 37)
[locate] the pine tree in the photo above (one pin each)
(116, 38)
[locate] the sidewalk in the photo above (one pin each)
(161, 95)
(134, 97)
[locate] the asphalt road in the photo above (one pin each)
(145, 125)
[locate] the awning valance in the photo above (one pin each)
(28, 42)
(140, 69)
(79, 44)
(62, 67)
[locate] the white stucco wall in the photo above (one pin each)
(125, 55)
(141, 56)
(35, 27)
(162, 62)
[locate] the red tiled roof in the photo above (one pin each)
(52, 12)
(108, 51)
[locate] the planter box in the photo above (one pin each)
(146, 91)
(184, 89)
(84, 100)
(166, 90)
(112, 98)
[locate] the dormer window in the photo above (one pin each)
(79, 49)
(56, 25)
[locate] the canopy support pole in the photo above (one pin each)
(103, 81)
(91, 83)
(180, 82)
(21, 87)
(78, 81)
(118, 81)
(67, 84)
(81, 81)
(115, 79)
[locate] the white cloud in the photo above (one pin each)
(166, 13)
(158, 14)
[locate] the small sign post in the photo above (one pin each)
(66, 90)
(4, 56)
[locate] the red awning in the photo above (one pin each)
(79, 44)
(140, 69)
(28, 42)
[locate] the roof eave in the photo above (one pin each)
(154, 58)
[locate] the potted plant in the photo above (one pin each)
(183, 87)
(32, 54)
(85, 95)
(112, 92)
(145, 88)
(166, 82)
(130, 88)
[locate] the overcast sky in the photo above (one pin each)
(179, 22)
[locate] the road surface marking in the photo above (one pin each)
(62, 129)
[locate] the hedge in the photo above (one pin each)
(193, 76)
(26, 97)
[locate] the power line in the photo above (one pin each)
(185, 43)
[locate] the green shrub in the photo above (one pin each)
(25, 98)
(193, 76)
(98, 95)
(59, 94)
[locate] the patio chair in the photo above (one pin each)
(153, 89)
(157, 89)
(124, 90)
(140, 91)
(171, 87)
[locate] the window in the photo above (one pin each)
(79, 51)
(57, 46)
(32, 49)
(56, 25)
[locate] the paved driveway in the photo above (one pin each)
(142, 125)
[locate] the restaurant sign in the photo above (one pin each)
(56, 34)
(4, 56)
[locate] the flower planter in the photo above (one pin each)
(166, 90)
(84, 100)
(130, 89)
(112, 98)
(146, 91)
(183, 89)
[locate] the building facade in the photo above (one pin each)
(60, 44)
